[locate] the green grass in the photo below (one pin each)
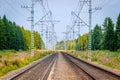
(107, 58)
(12, 60)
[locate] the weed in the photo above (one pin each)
(107, 58)
(12, 60)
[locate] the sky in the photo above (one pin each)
(61, 10)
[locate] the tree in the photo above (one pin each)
(78, 43)
(26, 36)
(117, 33)
(19, 39)
(83, 42)
(109, 34)
(37, 40)
(3, 35)
(9, 33)
(12, 36)
(96, 38)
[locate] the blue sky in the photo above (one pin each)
(61, 10)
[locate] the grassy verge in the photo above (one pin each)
(107, 58)
(11, 59)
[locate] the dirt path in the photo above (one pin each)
(63, 70)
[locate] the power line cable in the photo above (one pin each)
(14, 8)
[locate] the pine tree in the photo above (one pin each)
(109, 34)
(96, 38)
(5, 21)
(3, 36)
(19, 39)
(117, 33)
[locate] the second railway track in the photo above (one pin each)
(93, 71)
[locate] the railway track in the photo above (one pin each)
(95, 72)
(82, 69)
(38, 71)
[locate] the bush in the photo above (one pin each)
(0, 56)
(16, 63)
